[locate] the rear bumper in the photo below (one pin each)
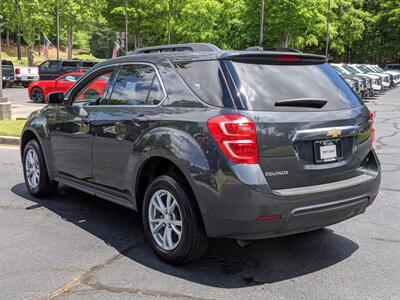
(301, 209)
(26, 79)
(8, 78)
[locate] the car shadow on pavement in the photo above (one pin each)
(225, 265)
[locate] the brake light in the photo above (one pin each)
(371, 124)
(17, 71)
(288, 58)
(235, 136)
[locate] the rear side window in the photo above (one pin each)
(206, 80)
(74, 64)
(262, 85)
(137, 85)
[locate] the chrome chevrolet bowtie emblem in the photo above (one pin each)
(334, 133)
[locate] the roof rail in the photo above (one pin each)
(191, 47)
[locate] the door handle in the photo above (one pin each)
(140, 118)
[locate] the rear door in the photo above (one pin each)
(311, 127)
(131, 111)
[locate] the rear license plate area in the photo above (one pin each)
(327, 151)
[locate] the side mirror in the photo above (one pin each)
(56, 98)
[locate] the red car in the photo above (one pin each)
(39, 90)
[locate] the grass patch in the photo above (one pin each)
(11, 127)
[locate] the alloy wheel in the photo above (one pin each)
(165, 220)
(32, 168)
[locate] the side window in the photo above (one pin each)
(69, 78)
(45, 64)
(53, 64)
(137, 85)
(94, 90)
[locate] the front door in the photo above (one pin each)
(121, 126)
(72, 136)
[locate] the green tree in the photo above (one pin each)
(33, 18)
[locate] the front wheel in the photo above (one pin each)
(37, 95)
(36, 177)
(172, 222)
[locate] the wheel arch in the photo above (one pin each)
(27, 135)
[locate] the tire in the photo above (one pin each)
(193, 241)
(37, 95)
(38, 185)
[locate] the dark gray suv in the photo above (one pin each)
(207, 143)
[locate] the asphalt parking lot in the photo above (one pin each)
(75, 246)
(21, 106)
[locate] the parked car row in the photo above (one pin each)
(48, 70)
(368, 80)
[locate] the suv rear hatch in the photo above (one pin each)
(311, 127)
(7, 68)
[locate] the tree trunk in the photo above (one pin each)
(7, 38)
(30, 56)
(169, 24)
(69, 41)
(286, 38)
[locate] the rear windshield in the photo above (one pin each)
(262, 85)
(74, 64)
(7, 63)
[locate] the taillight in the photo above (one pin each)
(235, 136)
(371, 124)
(287, 58)
(17, 71)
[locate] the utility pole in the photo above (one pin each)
(328, 20)
(58, 28)
(261, 42)
(126, 26)
(18, 30)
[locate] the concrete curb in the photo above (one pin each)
(10, 140)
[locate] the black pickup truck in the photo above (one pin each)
(51, 69)
(7, 73)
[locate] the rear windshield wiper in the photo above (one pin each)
(302, 102)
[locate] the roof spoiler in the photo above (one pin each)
(282, 58)
(259, 48)
(190, 47)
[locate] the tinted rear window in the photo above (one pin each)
(262, 85)
(206, 80)
(7, 63)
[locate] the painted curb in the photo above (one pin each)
(10, 140)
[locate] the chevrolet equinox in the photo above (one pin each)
(207, 143)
